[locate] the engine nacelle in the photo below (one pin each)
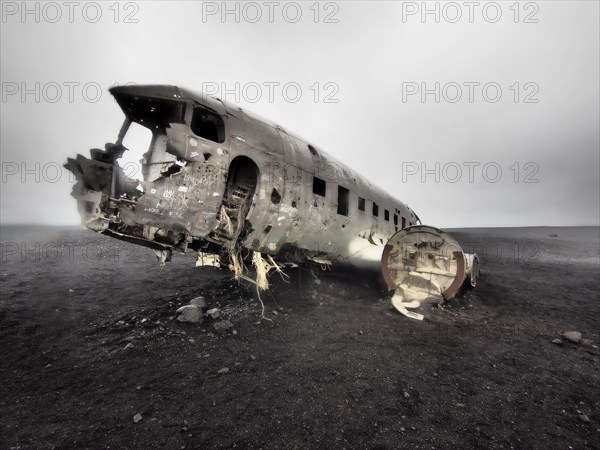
(425, 265)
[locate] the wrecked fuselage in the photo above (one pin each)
(217, 180)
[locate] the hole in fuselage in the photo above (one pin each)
(275, 197)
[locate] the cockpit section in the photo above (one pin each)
(170, 197)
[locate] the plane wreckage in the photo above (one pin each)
(220, 181)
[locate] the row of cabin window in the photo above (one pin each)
(320, 187)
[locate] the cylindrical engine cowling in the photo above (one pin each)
(426, 264)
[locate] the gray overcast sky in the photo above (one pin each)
(527, 146)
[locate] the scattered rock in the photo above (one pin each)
(553, 235)
(460, 405)
(584, 418)
(128, 346)
(214, 313)
(573, 336)
(234, 332)
(557, 341)
(189, 314)
(406, 395)
(137, 417)
(200, 302)
(224, 370)
(222, 325)
(252, 357)
(585, 341)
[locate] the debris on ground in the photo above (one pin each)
(222, 325)
(573, 336)
(213, 313)
(200, 302)
(189, 314)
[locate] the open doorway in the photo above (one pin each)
(242, 179)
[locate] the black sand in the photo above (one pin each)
(336, 367)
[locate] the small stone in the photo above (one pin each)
(402, 429)
(573, 336)
(214, 313)
(200, 302)
(460, 405)
(584, 418)
(137, 417)
(189, 314)
(557, 341)
(224, 370)
(406, 395)
(585, 341)
(222, 325)
(234, 332)
(128, 346)
(138, 387)
(252, 357)
(121, 322)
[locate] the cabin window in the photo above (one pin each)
(403, 223)
(319, 186)
(343, 200)
(396, 219)
(208, 125)
(386, 215)
(361, 204)
(375, 209)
